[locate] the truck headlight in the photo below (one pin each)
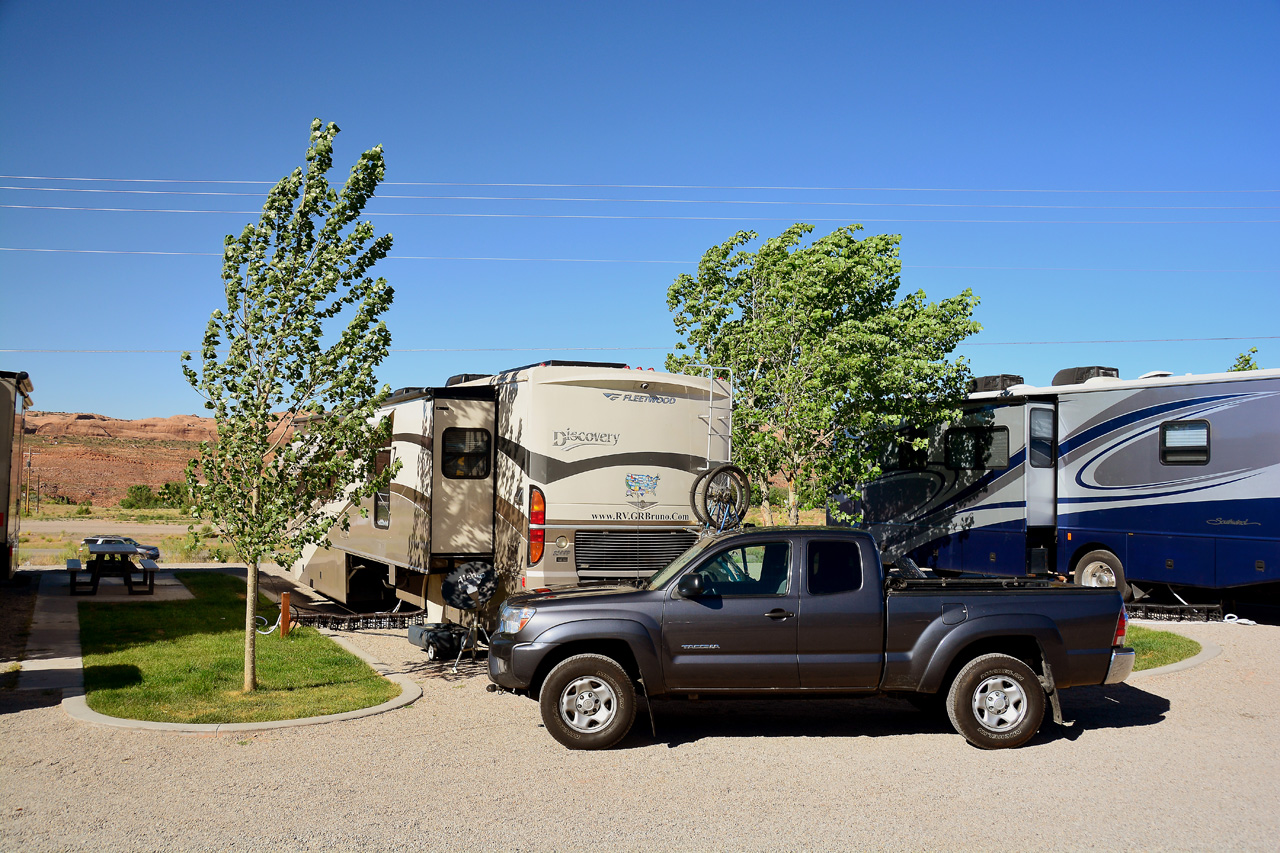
(512, 619)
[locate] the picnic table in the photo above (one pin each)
(114, 560)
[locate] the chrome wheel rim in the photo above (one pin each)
(1097, 573)
(588, 704)
(999, 703)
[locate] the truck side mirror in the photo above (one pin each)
(691, 586)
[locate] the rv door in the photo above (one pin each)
(462, 476)
(1041, 466)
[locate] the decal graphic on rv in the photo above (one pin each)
(641, 398)
(572, 439)
(639, 485)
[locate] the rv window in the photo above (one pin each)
(1043, 449)
(466, 453)
(382, 500)
(977, 449)
(1184, 443)
(904, 456)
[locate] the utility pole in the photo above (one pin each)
(29, 455)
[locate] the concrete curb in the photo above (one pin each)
(78, 710)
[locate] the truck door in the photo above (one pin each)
(1042, 460)
(741, 633)
(840, 640)
(462, 476)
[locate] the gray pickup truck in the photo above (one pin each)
(808, 611)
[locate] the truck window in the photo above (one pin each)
(466, 453)
(751, 570)
(1184, 443)
(834, 567)
(977, 448)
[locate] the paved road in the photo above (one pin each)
(82, 527)
(1185, 761)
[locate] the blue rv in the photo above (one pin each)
(1160, 480)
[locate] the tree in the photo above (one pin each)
(828, 362)
(293, 396)
(1245, 361)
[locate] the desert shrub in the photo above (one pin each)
(140, 496)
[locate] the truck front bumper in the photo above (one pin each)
(1121, 666)
(512, 664)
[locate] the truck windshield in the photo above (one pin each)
(662, 577)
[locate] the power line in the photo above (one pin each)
(607, 200)
(666, 186)
(665, 349)
(602, 216)
(674, 263)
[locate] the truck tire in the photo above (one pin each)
(588, 702)
(1102, 569)
(996, 702)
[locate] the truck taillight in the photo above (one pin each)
(537, 515)
(1122, 627)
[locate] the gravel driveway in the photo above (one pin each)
(1183, 761)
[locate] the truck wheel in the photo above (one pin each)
(996, 702)
(1102, 569)
(588, 702)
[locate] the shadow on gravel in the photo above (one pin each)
(1111, 706)
(682, 722)
(443, 669)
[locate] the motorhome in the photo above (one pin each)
(15, 399)
(1161, 480)
(553, 473)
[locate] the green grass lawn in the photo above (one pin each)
(183, 661)
(1158, 648)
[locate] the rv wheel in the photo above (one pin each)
(1102, 569)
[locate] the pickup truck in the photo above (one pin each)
(807, 611)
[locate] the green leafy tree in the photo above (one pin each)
(293, 393)
(1245, 361)
(828, 362)
(140, 496)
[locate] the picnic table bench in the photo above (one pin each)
(114, 560)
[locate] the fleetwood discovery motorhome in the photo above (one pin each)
(1170, 480)
(15, 389)
(554, 473)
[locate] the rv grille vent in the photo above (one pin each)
(628, 554)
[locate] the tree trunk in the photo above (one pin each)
(766, 511)
(793, 505)
(251, 629)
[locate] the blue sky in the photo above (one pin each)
(1094, 171)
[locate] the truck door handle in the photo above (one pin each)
(778, 613)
